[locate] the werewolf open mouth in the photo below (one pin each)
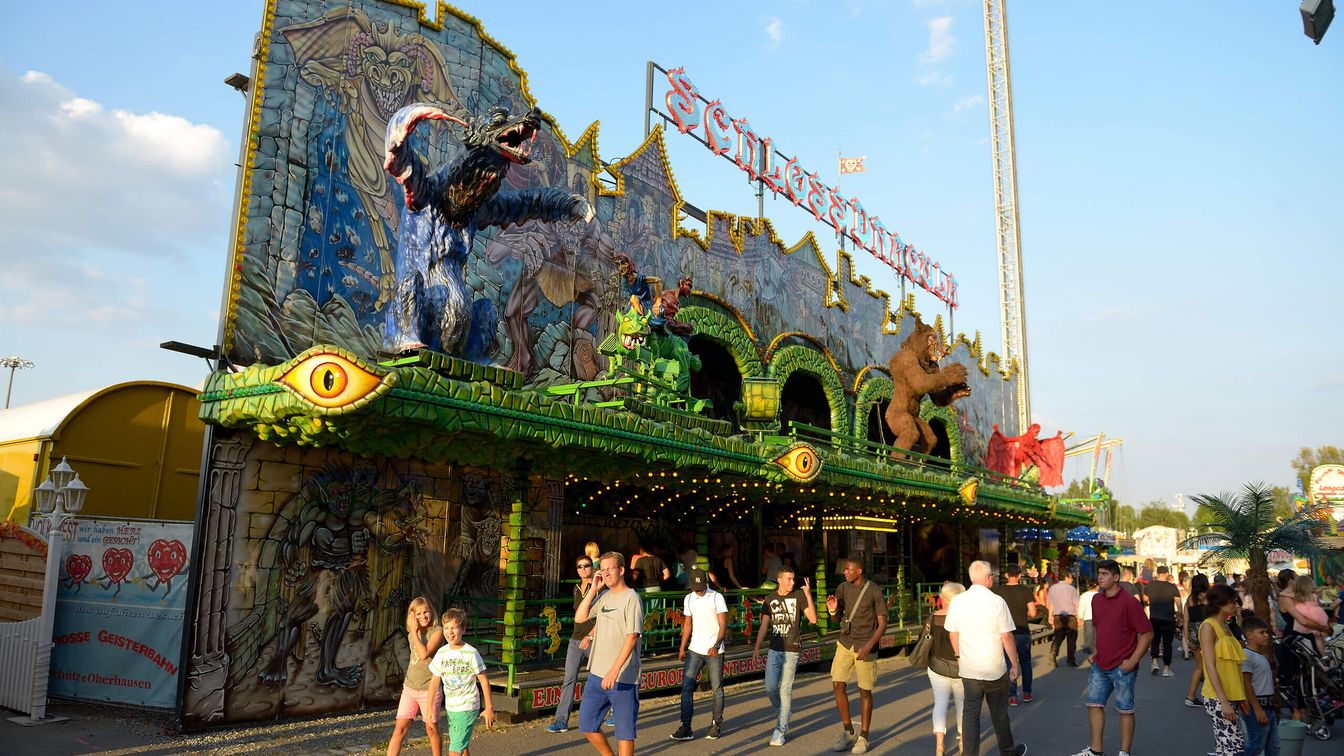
(633, 340)
(515, 143)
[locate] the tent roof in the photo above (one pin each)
(43, 419)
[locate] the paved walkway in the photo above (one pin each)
(1055, 724)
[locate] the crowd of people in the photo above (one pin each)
(979, 655)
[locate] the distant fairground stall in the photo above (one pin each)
(462, 344)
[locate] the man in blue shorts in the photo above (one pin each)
(1123, 636)
(613, 663)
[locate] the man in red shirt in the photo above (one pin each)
(1123, 635)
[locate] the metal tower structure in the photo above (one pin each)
(1011, 295)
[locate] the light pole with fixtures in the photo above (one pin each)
(13, 363)
(59, 498)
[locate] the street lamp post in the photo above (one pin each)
(13, 363)
(59, 498)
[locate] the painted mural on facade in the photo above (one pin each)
(326, 551)
(318, 232)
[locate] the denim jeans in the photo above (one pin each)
(779, 669)
(1021, 639)
(574, 657)
(690, 671)
(1262, 738)
(994, 693)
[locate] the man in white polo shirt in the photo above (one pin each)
(981, 630)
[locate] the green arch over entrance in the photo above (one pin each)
(793, 358)
(726, 330)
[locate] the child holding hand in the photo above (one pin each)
(459, 667)
(418, 693)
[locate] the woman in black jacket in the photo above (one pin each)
(943, 675)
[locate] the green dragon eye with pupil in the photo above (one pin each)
(328, 380)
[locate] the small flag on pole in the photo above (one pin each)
(852, 165)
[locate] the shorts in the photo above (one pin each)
(622, 701)
(460, 726)
(846, 665)
(1101, 682)
(423, 702)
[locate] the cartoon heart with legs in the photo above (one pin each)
(166, 560)
(77, 567)
(117, 564)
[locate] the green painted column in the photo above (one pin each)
(515, 575)
(819, 590)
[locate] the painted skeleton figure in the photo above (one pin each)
(444, 209)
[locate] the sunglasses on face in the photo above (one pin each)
(585, 566)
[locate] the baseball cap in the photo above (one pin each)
(698, 582)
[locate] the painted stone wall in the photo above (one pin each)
(324, 553)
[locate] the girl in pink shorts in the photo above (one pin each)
(417, 694)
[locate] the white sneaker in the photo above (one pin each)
(776, 738)
(1124, 753)
(844, 741)
(1168, 673)
(860, 745)
(1089, 752)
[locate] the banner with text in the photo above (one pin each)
(119, 612)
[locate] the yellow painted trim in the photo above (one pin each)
(858, 379)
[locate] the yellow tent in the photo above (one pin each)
(136, 445)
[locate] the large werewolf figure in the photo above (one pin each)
(914, 373)
(444, 209)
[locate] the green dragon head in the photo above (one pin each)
(633, 326)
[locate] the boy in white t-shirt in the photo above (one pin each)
(459, 668)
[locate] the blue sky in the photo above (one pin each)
(1179, 176)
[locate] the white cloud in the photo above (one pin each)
(966, 103)
(774, 29)
(941, 41)
(101, 208)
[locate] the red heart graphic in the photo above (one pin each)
(166, 558)
(78, 567)
(117, 563)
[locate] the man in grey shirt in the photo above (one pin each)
(1063, 600)
(613, 665)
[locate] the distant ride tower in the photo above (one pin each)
(1011, 294)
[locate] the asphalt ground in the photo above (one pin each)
(1054, 724)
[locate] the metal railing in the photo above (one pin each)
(549, 622)
(913, 460)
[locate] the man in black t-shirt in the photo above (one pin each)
(1022, 605)
(779, 618)
(1162, 597)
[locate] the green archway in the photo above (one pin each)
(875, 388)
(726, 330)
(794, 358)
(929, 411)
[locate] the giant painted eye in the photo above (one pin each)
(330, 380)
(800, 461)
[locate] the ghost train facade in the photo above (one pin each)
(620, 379)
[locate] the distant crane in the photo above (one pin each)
(1002, 141)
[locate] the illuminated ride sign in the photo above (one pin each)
(711, 125)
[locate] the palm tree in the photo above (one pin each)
(1244, 527)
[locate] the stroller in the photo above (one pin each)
(1318, 682)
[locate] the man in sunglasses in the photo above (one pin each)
(579, 641)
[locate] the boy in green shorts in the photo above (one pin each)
(459, 667)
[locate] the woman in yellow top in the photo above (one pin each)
(1224, 693)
